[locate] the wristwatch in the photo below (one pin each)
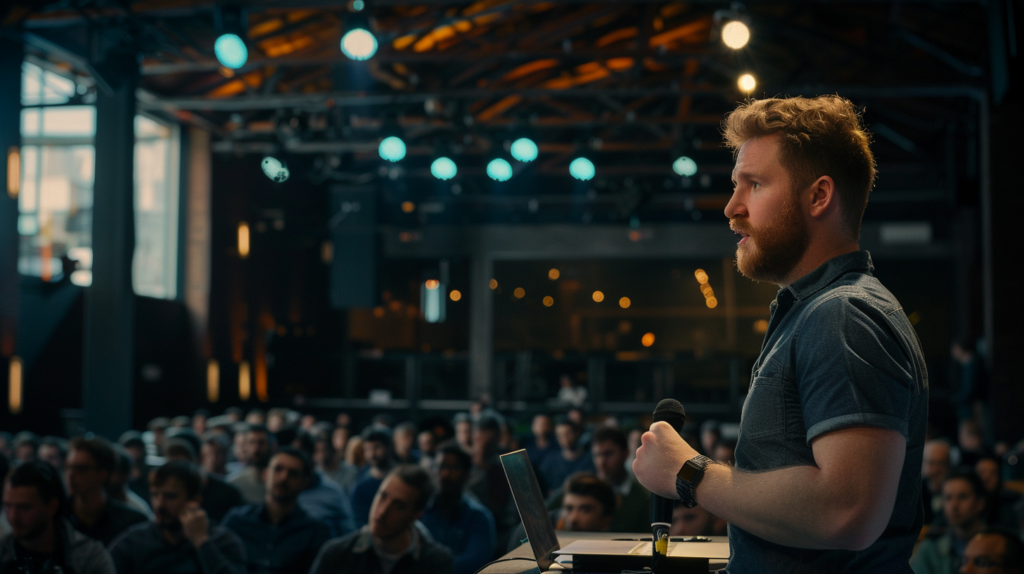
(689, 477)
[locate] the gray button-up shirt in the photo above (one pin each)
(839, 352)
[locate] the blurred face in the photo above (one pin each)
(214, 457)
(483, 439)
(257, 447)
(690, 521)
(988, 472)
(708, 439)
(307, 421)
(285, 478)
(464, 434)
(723, 453)
(238, 447)
(394, 508)
(583, 514)
(199, 424)
(403, 442)
(375, 453)
(566, 436)
(451, 476)
(275, 422)
(936, 461)
(985, 554)
(970, 438)
(81, 474)
(961, 506)
(541, 426)
(338, 438)
(609, 460)
(169, 500)
(25, 452)
(425, 441)
(28, 515)
(50, 454)
(765, 211)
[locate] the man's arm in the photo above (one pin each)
(843, 502)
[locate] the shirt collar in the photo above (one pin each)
(828, 272)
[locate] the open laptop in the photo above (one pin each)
(530, 503)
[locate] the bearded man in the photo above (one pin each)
(828, 461)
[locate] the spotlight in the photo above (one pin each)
(684, 166)
(747, 83)
(735, 34)
(230, 51)
(499, 170)
(523, 149)
(582, 169)
(275, 169)
(443, 168)
(392, 149)
(358, 44)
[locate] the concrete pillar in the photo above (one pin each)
(481, 326)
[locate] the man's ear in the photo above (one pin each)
(823, 197)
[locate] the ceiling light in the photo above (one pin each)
(684, 166)
(443, 168)
(499, 170)
(230, 51)
(523, 149)
(747, 83)
(582, 169)
(735, 34)
(392, 148)
(275, 169)
(358, 44)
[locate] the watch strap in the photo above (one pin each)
(685, 488)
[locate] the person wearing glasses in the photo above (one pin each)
(963, 505)
(89, 465)
(993, 551)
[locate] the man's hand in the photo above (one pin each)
(194, 524)
(661, 454)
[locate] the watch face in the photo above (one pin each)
(688, 472)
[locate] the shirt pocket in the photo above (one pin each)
(764, 410)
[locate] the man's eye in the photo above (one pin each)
(755, 185)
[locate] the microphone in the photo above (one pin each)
(669, 411)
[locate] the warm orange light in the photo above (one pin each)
(378, 312)
(553, 274)
(408, 206)
(625, 302)
(647, 340)
(213, 381)
(13, 171)
(711, 302)
(432, 284)
(707, 290)
(455, 295)
(761, 326)
(549, 301)
(244, 381)
(519, 292)
(701, 276)
(598, 296)
(14, 385)
(493, 283)
(243, 240)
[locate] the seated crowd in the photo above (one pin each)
(281, 492)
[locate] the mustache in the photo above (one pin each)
(739, 225)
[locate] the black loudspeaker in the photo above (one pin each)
(356, 246)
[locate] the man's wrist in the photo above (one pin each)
(689, 478)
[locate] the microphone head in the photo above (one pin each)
(672, 412)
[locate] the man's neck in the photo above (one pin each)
(277, 510)
(816, 256)
(395, 544)
(45, 543)
(541, 441)
(967, 531)
(89, 506)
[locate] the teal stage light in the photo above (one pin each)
(443, 168)
(358, 44)
(392, 148)
(523, 149)
(275, 169)
(582, 169)
(231, 51)
(684, 166)
(499, 170)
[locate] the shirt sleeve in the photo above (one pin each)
(852, 370)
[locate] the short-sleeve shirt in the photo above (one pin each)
(839, 352)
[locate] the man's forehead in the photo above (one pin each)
(397, 488)
(756, 152)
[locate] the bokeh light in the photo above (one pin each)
(443, 168)
(747, 83)
(358, 44)
(230, 51)
(684, 166)
(735, 34)
(523, 149)
(499, 170)
(582, 169)
(392, 148)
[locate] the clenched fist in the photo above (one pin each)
(194, 524)
(661, 454)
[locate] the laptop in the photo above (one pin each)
(530, 504)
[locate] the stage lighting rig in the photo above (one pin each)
(232, 24)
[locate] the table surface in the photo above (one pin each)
(564, 538)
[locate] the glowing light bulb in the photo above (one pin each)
(358, 44)
(392, 148)
(230, 51)
(523, 149)
(275, 169)
(443, 168)
(499, 170)
(684, 166)
(747, 83)
(582, 169)
(735, 34)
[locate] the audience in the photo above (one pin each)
(91, 511)
(323, 500)
(403, 439)
(588, 504)
(117, 484)
(279, 536)
(568, 459)
(487, 481)
(41, 540)
(181, 539)
(999, 502)
(214, 454)
(249, 479)
(542, 442)
(26, 444)
(994, 550)
(54, 452)
(456, 520)
(377, 451)
(963, 504)
(934, 469)
(393, 541)
(463, 431)
(691, 521)
(217, 497)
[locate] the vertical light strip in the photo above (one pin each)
(243, 240)
(213, 380)
(244, 381)
(13, 171)
(14, 392)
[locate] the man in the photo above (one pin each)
(588, 504)
(89, 466)
(542, 441)
(279, 536)
(994, 550)
(487, 480)
(199, 419)
(568, 459)
(427, 443)
(323, 500)
(609, 451)
(934, 468)
(181, 540)
(249, 480)
(138, 480)
(963, 503)
(403, 439)
(463, 431)
(457, 521)
(158, 431)
(117, 484)
(41, 540)
(393, 542)
(377, 453)
(215, 454)
(216, 496)
(694, 521)
(54, 452)
(999, 503)
(25, 446)
(828, 461)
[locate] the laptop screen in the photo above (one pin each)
(530, 503)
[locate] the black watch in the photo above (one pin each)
(689, 477)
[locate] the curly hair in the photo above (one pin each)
(819, 136)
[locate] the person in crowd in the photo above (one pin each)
(427, 444)
(487, 481)
(339, 439)
(963, 503)
(249, 480)
(256, 417)
(569, 459)
(307, 422)
(633, 440)
(237, 458)
(377, 451)
(323, 500)
(724, 451)
(54, 452)
(463, 426)
(935, 467)
(117, 484)
(327, 460)
(138, 479)
(276, 419)
(199, 419)
(158, 430)
(181, 422)
(999, 502)
(404, 439)
(694, 521)
(969, 442)
(352, 465)
(181, 539)
(214, 454)
(393, 541)
(458, 521)
(588, 504)
(41, 539)
(569, 393)
(343, 420)
(710, 433)
(542, 442)
(278, 535)
(382, 421)
(994, 550)
(91, 511)
(26, 445)
(216, 496)
(233, 414)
